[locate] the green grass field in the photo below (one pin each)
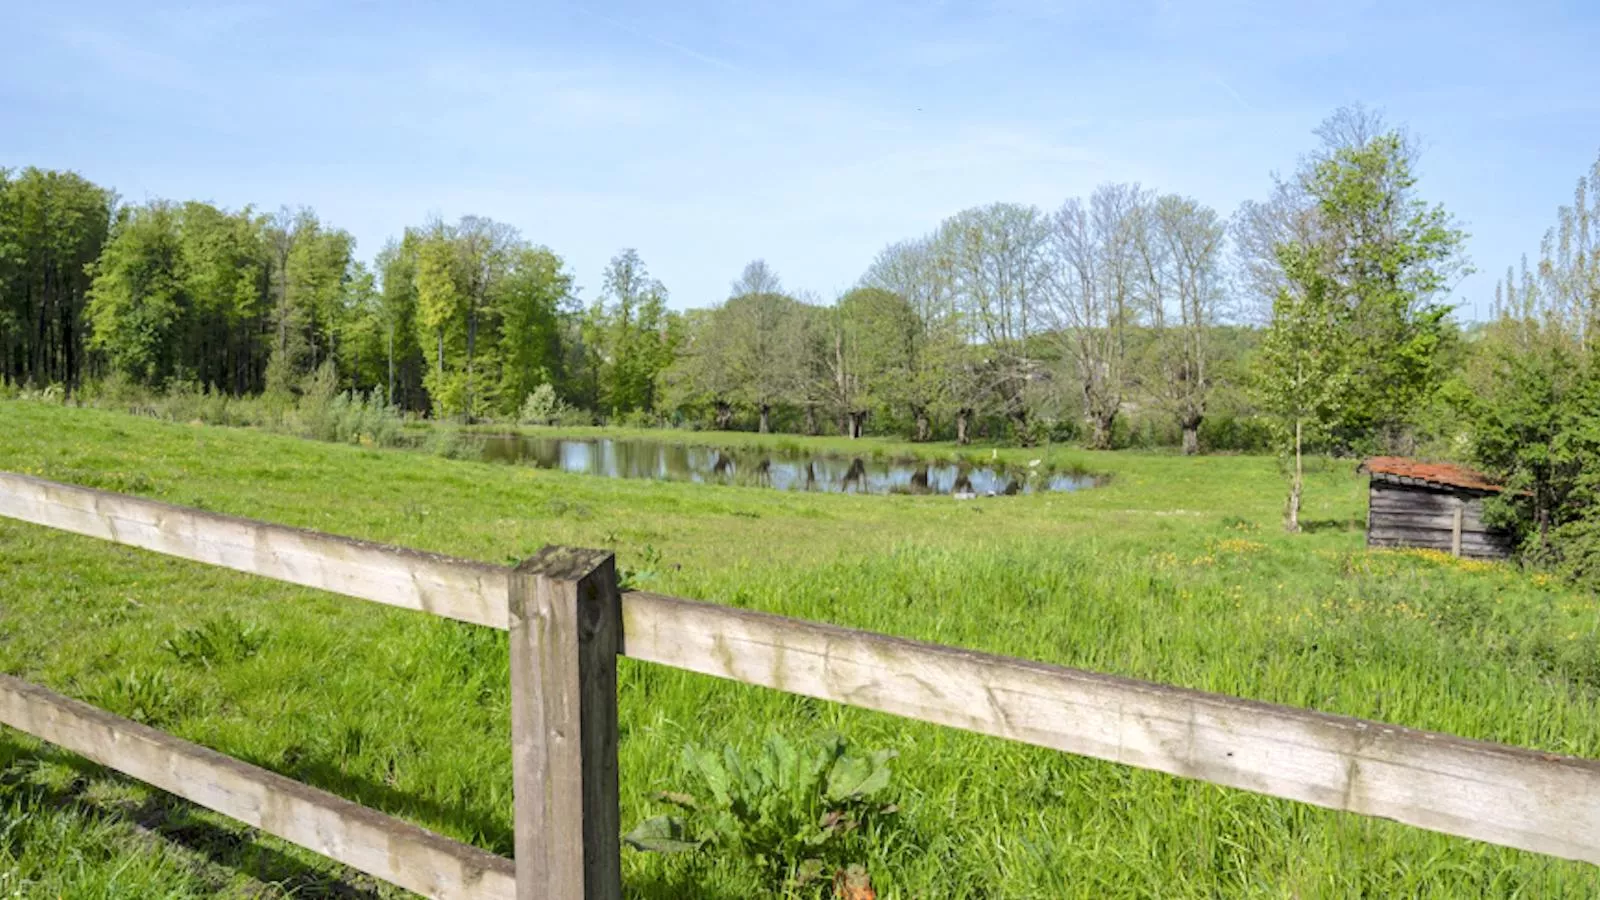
(1175, 571)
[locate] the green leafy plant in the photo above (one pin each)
(800, 813)
(220, 640)
(631, 578)
(542, 407)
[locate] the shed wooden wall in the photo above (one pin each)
(1403, 515)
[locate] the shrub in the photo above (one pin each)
(1236, 434)
(541, 406)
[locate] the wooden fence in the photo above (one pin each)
(568, 623)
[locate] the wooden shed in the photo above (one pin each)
(1438, 506)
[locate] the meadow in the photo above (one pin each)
(1176, 570)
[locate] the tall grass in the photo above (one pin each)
(319, 411)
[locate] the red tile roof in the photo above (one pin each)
(1444, 474)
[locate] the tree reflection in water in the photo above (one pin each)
(640, 458)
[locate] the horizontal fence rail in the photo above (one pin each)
(379, 845)
(1504, 795)
(454, 588)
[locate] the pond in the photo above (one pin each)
(790, 470)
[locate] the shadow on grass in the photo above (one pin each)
(1319, 525)
(486, 832)
(218, 853)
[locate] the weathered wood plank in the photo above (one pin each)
(566, 621)
(1419, 502)
(1441, 521)
(455, 588)
(1470, 519)
(379, 845)
(1437, 539)
(1504, 795)
(1455, 530)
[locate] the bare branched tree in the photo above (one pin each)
(1180, 251)
(1095, 295)
(998, 263)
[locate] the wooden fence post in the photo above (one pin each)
(1457, 513)
(566, 627)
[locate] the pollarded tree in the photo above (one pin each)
(916, 272)
(765, 335)
(1095, 295)
(701, 375)
(869, 350)
(1180, 251)
(996, 258)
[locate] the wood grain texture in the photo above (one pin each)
(455, 588)
(1444, 521)
(566, 619)
(1504, 795)
(379, 845)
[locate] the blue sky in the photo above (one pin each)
(810, 134)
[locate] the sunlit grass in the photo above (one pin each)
(1175, 571)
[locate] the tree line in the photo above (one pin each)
(1322, 306)
(1004, 319)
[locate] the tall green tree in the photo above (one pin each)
(139, 301)
(1530, 394)
(404, 364)
(765, 335)
(52, 227)
(529, 301)
(441, 322)
(630, 334)
(1360, 302)
(225, 273)
(1303, 369)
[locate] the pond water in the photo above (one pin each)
(791, 471)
